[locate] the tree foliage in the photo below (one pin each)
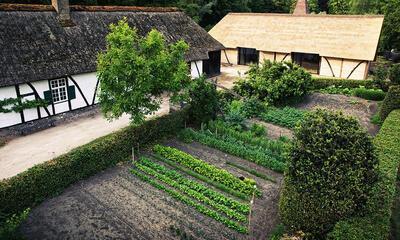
(134, 71)
(331, 170)
(275, 82)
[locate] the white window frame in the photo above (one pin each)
(59, 90)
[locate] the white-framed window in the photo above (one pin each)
(58, 90)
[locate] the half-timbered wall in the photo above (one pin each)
(83, 94)
(196, 69)
(343, 68)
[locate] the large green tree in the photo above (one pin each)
(339, 6)
(391, 29)
(134, 71)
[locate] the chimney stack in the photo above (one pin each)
(301, 8)
(62, 8)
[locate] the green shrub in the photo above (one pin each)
(275, 82)
(370, 94)
(252, 107)
(375, 224)
(394, 74)
(331, 170)
(391, 102)
(234, 115)
(285, 117)
(31, 187)
(203, 101)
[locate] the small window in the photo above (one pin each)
(58, 90)
(311, 62)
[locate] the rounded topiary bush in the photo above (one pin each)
(391, 102)
(331, 169)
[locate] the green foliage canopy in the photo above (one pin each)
(135, 71)
(332, 167)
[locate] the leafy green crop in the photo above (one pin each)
(213, 195)
(199, 207)
(203, 168)
(285, 117)
(193, 193)
(231, 147)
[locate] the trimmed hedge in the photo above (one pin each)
(370, 94)
(375, 224)
(320, 83)
(391, 102)
(48, 179)
(331, 171)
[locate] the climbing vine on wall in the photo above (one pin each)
(9, 105)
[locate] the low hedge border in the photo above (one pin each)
(48, 179)
(375, 224)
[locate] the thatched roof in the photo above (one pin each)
(34, 46)
(350, 37)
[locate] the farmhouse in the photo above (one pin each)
(326, 45)
(49, 52)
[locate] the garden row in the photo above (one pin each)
(211, 203)
(259, 150)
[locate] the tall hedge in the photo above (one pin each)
(331, 168)
(48, 179)
(375, 224)
(391, 101)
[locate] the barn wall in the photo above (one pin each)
(196, 68)
(266, 56)
(342, 68)
(231, 55)
(280, 57)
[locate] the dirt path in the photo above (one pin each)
(24, 152)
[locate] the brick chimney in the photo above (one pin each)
(301, 8)
(62, 8)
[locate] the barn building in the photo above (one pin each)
(49, 52)
(326, 45)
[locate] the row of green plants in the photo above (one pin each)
(213, 195)
(199, 207)
(199, 196)
(248, 137)
(203, 178)
(374, 222)
(361, 92)
(286, 117)
(216, 174)
(244, 151)
(30, 188)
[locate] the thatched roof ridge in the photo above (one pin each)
(40, 8)
(337, 36)
(34, 46)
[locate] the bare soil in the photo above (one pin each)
(359, 108)
(117, 205)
